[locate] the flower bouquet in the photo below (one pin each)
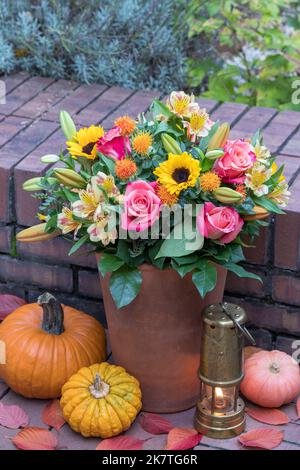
(169, 189)
(167, 202)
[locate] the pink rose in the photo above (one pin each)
(219, 223)
(237, 159)
(114, 144)
(142, 206)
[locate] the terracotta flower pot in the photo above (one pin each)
(157, 337)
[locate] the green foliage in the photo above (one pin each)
(131, 43)
(251, 50)
(125, 284)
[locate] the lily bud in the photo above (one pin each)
(214, 154)
(227, 195)
(51, 158)
(260, 213)
(170, 145)
(69, 178)
(36, 233)
(220, 137)
(67, 125)
(34, 184)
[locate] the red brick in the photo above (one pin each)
(263, 338)
(137, 103)
(5, 238)
(11, 153)
(14, 80)
(91, 307)
(287, 344)
(207, 103)
(56, 251)
(89, 284)
(13, 289)
(30, 273)
(254, 119)
(280, 128)
(26, 206)
(258, 251)
(292, 147)
(76, 101)
(98, 109)
(10, 126)
(24, 93)
(228, 112)
(287, 232)
(273, 317)
(41, 103)
(291, 165)
(245, 286)
(286, 289)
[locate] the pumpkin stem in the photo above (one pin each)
(53, 314)
(99, 389)
(275, 368)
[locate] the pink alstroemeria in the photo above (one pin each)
(113, 144)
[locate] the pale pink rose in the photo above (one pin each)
(219, 223)
(142, 206)
(238, 157)
(114, 144)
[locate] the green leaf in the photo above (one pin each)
(240, 271)
(184, 268)
(205, 278)
(124, 285)
(109, 263)
(109, 162)
(177, 247)
(268, 204)
(69, 195)
(158, 107)
(78, 244)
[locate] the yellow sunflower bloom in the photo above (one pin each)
(85, 141)
(179, 172)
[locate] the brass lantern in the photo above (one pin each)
(220, 410)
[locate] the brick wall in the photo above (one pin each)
(29, 129)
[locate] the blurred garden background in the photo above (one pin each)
(245, 51)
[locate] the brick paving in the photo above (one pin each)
(69, 440)
(30, 128)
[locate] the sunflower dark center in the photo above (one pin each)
(88, 148)
(181, 175)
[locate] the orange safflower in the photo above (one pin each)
(124, 169)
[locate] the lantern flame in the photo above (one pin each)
(219, 393)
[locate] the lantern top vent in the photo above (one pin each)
(224, 315)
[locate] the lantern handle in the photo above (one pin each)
(243, 329)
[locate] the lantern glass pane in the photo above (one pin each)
(218, 400)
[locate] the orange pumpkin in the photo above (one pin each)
(272, 378)
(46, 343)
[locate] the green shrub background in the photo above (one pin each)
(131, 43)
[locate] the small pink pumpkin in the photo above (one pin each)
(272, 378)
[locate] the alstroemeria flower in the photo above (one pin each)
(182, 104)
(256, 179)
(66, 223)
(199, 125)
(89, 199)
(107, 182)
(102, 230)
(113, 144)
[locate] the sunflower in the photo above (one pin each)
(85, 141)
(178, 172)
